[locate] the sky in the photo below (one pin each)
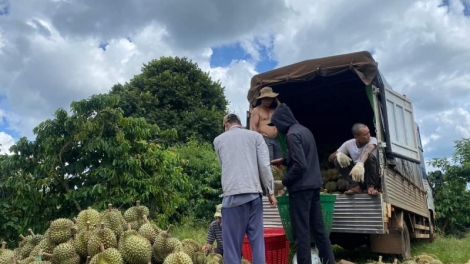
(53, 52)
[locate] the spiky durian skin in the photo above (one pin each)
(113, 220)
(46, 245)
(190, 247)
(331, 186)
(81, 242)
(109, 256)
(215, 258)
(436, 261)
(103, 236)
(149, 231)
(134, 248)
(199, 258)
(178, 258)
(60, 230)
(6, 256)
(164, 245)
(91, 215)
(245, 261)
(65, 254)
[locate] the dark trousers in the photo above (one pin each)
(306, 218)
(236, 221)
(371, 176)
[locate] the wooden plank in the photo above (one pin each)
(414, 235)
(422, 227)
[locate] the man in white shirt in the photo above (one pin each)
(361, 150)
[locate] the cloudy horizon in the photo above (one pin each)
(53, 52)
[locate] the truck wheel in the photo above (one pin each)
(406, 244)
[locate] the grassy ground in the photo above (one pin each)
(449, 250)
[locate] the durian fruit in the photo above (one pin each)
(342, 184)
(81, 241)
(6, 255)
(331, 186)
(190, 247)
(60, 230)
(436, 261)
(278, 186)
(277, 173)
(113, 219)
(149, 230)
(103, 236)
(409, 262)
(64, 253)
(134, 248)
(27, 260)
(27, 244)
(333, 174)
(324, 180)
(423, 259)
(89, 215)
(46, 245)
(135, 215)
(178, 258)
(215, 258)
(164, 244)
(108, 256)
(199, 258)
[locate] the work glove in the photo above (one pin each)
(343, 160)
(357, 172)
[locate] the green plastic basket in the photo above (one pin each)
(327, 202)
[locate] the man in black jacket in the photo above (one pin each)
(303, 181)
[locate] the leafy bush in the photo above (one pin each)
(203, 171)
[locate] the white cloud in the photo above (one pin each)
(6, 141)
(49, 53)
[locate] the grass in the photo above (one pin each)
(449, 250)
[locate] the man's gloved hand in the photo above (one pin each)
(343, 160)
(357, 172)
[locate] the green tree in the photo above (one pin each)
(203, 171)
(175, 93)
(449, 185)
(92, 157)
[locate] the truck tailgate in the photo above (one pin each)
(359, 213)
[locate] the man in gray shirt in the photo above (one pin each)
(356, 160)
(246, 175)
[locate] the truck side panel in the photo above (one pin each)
(403, 194)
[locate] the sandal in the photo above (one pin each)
(372, 191)
(354, 190)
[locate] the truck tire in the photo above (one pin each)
(406, 244)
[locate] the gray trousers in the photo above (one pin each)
(275, 151)
(246, 218)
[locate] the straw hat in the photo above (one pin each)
(218, 211)
(267, 92)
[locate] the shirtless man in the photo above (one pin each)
(356, 159)
(260, 117)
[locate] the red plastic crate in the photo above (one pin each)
(276, 246)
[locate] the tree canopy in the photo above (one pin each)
(449, 184)
(175, 93)
(92, 157)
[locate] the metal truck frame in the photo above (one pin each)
(404, 210)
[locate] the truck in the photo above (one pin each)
(328, 95)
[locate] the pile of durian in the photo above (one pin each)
(423, 258)
(107, 237)
(333, 182)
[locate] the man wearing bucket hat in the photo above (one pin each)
(246, 177)
(260, 117)
(215, 233)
